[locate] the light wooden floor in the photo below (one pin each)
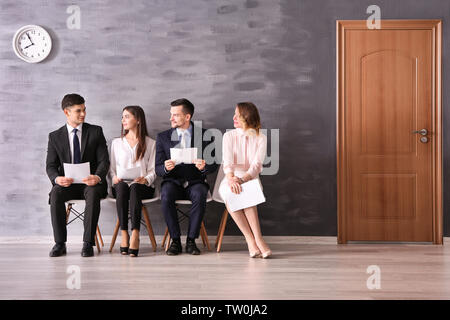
(301, 268)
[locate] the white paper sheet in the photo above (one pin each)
(183, 155)
(128, 174)
(251, 195)
(77, 171)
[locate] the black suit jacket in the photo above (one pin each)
(182, 172)
(93, 150)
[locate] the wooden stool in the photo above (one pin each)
(224, 219)
(80, 215)
(146, 223)
(184, 215)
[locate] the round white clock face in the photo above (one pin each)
(32, 43)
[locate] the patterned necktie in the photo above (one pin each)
(76, 147)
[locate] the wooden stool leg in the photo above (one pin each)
(96, 242)
(116, 231)
(168, 240)
(206, 236)
(69, 207)
(100, 235)
(202, 234)
(165, 237)
(218, 231)
(149, 227)
(222, 229)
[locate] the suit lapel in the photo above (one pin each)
(193, 135)
(64, 139)
(84, 138)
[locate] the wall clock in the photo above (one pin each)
(32, 43)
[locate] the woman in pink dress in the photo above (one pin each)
(243, 152)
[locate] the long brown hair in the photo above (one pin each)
(249, 115)
(139, 115)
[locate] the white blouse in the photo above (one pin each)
(123, 156)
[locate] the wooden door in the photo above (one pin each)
(389, 172)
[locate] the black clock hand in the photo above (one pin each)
(28, 46)
(29, 39)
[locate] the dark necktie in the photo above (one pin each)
(76, 147)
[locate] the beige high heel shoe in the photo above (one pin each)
(267, 253)
(255, 254)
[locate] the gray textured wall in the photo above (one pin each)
(279, 54)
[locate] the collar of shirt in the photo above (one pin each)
(247, 133)
(189, 131)
(70, 128)
(125, 142)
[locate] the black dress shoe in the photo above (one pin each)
(59, 249)
(88, 250)
(175, 248)
(191, 247)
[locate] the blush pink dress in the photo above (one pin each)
(242, 152)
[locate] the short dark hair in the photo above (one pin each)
(71, 100)
(188, 107)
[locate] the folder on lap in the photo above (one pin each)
(250, 196)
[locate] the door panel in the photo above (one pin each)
(386, 178)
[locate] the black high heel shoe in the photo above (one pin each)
(124, 250)
(134, 252)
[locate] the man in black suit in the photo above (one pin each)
(183, 181)
(76, 142)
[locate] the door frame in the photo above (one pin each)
(342, 164)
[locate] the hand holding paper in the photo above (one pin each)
(250, 196)
(200, 164)
(77, 172)
(91, 180)
(64, 181)
(169, 164)
(128, 174)
(140, 180)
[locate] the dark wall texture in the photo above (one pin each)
(280, 54)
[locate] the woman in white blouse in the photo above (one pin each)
(243, 152)
(134, 149)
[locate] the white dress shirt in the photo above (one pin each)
(123, 156)
(71, 133)
(185, 142)
(186, 136)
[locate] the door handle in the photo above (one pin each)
(423, 132)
